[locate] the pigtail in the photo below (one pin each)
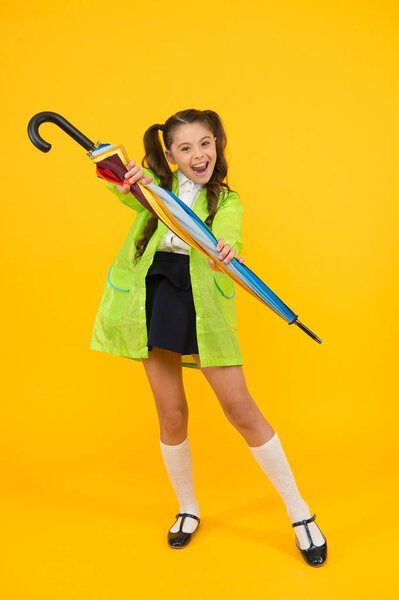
(154, 157)
(216, 182)
(155, 160)
(218, 128)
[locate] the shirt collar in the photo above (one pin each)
(183, 180)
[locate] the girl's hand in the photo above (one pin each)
(226, 254)
(133, 174)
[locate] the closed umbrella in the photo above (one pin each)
(111, 164)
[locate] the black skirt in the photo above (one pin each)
(170, 311)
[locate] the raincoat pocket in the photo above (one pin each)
(117, 293)
(224, 284)
(120, 278)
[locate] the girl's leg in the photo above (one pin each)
(230, 387)
(164, 372)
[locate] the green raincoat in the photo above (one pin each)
(120, 324)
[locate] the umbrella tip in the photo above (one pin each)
(307, 330)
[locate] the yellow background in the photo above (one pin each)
(308, 92)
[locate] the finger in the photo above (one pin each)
(241, 259)
(146, 180)
(220, 244)
(132, 172)
(136, 176)
(214, 268)
(130, 166)
(230, 256)
(124, 189)
(224, 252)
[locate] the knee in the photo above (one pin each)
(242, 413)
(174, 420)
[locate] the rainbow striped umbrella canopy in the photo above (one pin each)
(111, 164)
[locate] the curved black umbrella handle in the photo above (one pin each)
(52, 117)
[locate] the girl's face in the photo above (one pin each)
(193, 149)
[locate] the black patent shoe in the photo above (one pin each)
(180, 538)
(315, 556)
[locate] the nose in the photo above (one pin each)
(198, 152)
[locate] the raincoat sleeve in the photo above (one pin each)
(128, 198)
(227, 223)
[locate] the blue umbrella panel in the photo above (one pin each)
(191, 223)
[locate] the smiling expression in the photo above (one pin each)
(193, 149)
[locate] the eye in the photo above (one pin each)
(206, 143)
(185, 148)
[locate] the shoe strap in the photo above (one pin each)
(184, 515)
(304, 521)
(188, 515)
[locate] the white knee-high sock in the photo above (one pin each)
(178, 461)
(272, 460)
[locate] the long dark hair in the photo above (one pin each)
(155, 160)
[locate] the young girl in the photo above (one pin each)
(169, 306)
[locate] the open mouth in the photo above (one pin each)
(201, 169)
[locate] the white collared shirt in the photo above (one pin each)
(188, 193)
